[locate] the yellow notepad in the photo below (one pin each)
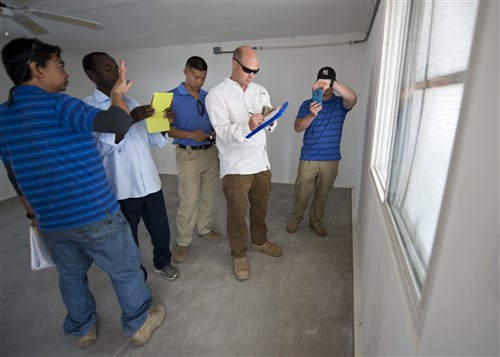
(160, 102)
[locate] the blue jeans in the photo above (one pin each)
(110, 245)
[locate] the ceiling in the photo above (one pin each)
(148, 23)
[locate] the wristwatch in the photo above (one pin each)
(30, 215)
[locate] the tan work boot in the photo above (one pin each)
(212, 236)
(292, 226)
(89, 339)
(180, 253)
(155, 318)
(318, 229)
(241, 268)
(269, 249)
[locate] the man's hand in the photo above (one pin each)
(122, 86)
(169, 114)
(142, 112)
(255, 121)
(314, 109)
(198, 135)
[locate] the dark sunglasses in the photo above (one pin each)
(200, 107)
(246, 69)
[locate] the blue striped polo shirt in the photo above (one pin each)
(47, 138)
(322, 137)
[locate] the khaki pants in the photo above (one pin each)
(198, 171)
(239, 191)
(315, 177)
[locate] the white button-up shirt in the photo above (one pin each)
(129, 164)
(229, 109)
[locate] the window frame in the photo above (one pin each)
(398, 17)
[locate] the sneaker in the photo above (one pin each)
(89, 339)
(169, 272)
(180, 253)
(292, 226)
(318, 229)
(269, 249)
(212, 236)
(155, 318)
(241, 268)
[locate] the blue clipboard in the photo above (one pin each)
(273, 116)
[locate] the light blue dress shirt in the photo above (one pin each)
(129, 164)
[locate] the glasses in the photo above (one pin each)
(35, 47)
(246, 69)
(200, 107)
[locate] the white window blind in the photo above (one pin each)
(437, 52)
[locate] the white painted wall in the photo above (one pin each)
(460, 309)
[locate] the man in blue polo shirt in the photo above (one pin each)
(196, 156)
(320, 154)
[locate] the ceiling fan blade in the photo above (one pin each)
(66, 19)
(29, 24)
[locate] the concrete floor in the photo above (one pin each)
(300, 304)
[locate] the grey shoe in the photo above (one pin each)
(169, 272)
(212, 236)
(155, 318)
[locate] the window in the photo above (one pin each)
(426, 56)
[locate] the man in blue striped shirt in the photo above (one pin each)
(46, 137)
(320, 154)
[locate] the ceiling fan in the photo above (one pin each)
(25, 16)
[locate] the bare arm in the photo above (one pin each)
(349, 97)
(303, 123)
(196, 135)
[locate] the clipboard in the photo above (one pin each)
(160, 102)
(275, 114)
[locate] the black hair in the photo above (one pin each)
(18, 54)
(88, 61)
(197, 63)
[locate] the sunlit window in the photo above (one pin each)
(417, 120)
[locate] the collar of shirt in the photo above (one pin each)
(103, 101)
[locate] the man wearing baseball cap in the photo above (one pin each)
(320, 153)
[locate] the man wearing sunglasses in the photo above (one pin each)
(236, 107)
(196, 156)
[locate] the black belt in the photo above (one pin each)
(201, 147)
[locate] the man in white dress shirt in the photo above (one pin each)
(235, 108)
(129, 164)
